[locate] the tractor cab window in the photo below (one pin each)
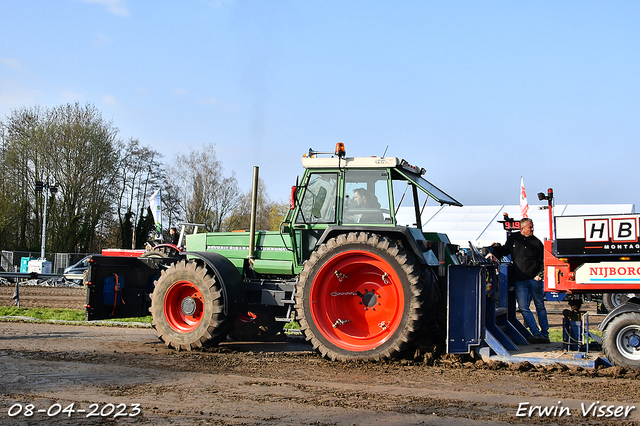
(318, 203)
(366, 197)
(409, 201)
(411, 192)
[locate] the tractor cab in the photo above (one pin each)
(339, 193)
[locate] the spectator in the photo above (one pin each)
(175, 237)
(527, 257)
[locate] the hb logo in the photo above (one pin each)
(611, 230)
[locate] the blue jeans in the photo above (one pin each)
(525, 292)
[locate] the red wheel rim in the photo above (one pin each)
(183, 306)
(357, 300)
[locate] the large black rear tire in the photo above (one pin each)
(163, 252)
(188, 308)
(360, 297)
(621, 340)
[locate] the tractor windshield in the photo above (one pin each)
(366, 196)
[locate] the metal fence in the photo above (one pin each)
(11, 261)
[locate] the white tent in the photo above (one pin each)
(479, 224)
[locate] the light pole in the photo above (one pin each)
(46, 188)
(549, 197)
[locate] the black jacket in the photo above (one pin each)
(527, 255)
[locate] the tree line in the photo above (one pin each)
(104, 184)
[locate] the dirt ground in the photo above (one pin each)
(63, 374)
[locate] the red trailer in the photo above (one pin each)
(595, 254)
(600, 254)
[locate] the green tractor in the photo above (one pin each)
(350, 264)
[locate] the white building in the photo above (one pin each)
(479, 224)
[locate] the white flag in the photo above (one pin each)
(524, 205)
(155, 203)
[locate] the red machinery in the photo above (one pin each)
(593, 254)
(599, 254)
(123, 252)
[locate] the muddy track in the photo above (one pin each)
(44, 297)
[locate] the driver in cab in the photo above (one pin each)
(369, 205)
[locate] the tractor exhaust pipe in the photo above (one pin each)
(254, 209)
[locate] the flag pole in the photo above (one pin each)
(524, 205)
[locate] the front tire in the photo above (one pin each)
(360, 298)
(610, 301)
(621, 340)
(187, 307)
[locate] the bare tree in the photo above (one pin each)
(269, 214)
(207, 196)
(20, 132)
(7, 207)
(172, 206)
(81, 152)
(104, 184)
(70, 146)
(139, 173)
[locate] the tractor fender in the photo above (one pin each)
(229, 278)
(631, 305)
(401, 232)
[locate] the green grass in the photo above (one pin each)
(555, 334)
(292, 328)
(146, 320)
(293, 325)
(47, 314)
(44, 313)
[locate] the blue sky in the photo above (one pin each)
(477, 92)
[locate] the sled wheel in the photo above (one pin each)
(621, 340)
(187, 307)
(163, 252)
(359, 298)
